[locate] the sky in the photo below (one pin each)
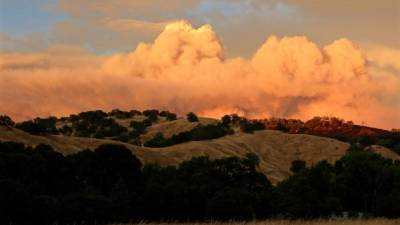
(324, 58)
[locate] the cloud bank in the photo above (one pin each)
(185, 69)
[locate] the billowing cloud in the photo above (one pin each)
(185, 69)
(113, 25)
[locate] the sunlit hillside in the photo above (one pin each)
(275, 149)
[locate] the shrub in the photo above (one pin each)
(6, 121)
(157, 141)
(235, 119)
(147, 122)
(168, 115)
(251, 126)
(282, 127)
(200, 132)
(39, 126)
(171, 117)
(152, 114)
(164, 113)
(29, 127)
(209, 131)
(135, 112)
(139, 127)
(66, 130)
(120, 114)
(191, 117)
(93, 117)
(97, 124)
(297, 166)
(226, 120)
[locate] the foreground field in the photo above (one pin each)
(290, 222)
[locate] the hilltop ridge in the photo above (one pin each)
(180, 139)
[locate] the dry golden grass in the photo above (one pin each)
(169, 128)
(276, 150)
(289, 222)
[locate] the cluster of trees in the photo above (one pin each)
(109, 184)
(96, 124)
(6, 121)
(168, 115)
(245, 125)
(119, 114)
(360, 182)
(39, 126)
(390, 140)
(153, 114)
(99, 124)
(200, 132)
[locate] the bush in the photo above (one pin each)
(200, 132)
(114, 130)
(251, 126)
(93, 117)
(298, 166)
(191, 117)
(97, 124)
(235, 119)
(207, 132)
(226, 120)
(158, 141)
(164, 113)
(6, 121)
(39, 126)
(168, 115)
(152, 114)
(139, 127)
(121, 114)
(282, 127)
(135, 112)
(147, 122)
(66, 130)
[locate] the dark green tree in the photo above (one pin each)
(297, 166)
(191, 117)
(6, 121)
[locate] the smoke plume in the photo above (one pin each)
(185, 69)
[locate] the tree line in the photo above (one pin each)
(108, 185)
(102, 125)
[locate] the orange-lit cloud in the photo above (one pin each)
(185, 69)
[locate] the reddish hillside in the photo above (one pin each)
(323, 126)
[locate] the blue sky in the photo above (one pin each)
(20, 17)
(255, 20)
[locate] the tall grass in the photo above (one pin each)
(289, 222)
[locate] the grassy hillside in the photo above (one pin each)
(169, 128)
(275, 149)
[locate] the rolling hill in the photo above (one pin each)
(275, 149)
